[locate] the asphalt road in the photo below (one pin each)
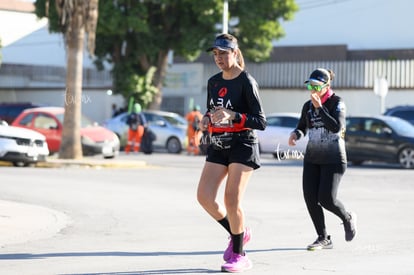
(146, 220)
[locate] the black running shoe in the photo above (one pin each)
(350, 227)
(321, 243)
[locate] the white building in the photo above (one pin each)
(359, 24)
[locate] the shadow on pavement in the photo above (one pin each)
(29, 256)
(138, 254)
(157, 271)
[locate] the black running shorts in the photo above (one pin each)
(244, 150)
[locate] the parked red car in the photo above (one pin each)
(49, 122)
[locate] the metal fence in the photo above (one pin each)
(281, 75)
(348, 74)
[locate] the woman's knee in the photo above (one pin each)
(231, 202)
(202, 198)
(326, 201)
(205, 198)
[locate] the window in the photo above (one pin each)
(274, 121)
(374, 126)
(44, 121)
(407, 114)
(353, 125)
(290, 122)
(27, 120)
(282, 121)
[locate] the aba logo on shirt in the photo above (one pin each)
(222, 92)
(220, 101)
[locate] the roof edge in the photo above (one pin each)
(16, 5)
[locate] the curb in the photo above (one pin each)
(86, 163)
(58, 163)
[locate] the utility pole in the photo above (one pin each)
(381, 90)
(225, 16)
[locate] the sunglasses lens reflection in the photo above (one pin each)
(317, 88)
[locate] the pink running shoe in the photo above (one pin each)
(237, 263)
(229, 250)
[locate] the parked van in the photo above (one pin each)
(9, 111)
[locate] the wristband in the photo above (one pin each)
(237, 118)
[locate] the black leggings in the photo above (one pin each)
(320, 187)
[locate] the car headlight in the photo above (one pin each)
(115, 143)
(86, 140)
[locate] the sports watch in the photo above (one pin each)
(237, 118)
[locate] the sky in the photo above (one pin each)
(360, 24)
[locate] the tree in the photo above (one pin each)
(137, 35)
(73, 18)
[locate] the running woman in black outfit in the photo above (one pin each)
(323, 118)
(234, 110)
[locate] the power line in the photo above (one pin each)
(312, 4)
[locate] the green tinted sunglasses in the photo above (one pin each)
(317, 88)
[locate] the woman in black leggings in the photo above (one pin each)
(323, 119)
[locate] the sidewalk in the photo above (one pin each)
(91, 162)
(20, 222)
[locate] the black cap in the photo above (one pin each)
(223, 44)
(319, 76)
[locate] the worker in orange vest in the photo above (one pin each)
(136, 122)
(193, 131)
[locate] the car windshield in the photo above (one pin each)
(282, 121)
(402, 127)
(85, 122)
(175, 120)
(404, 114)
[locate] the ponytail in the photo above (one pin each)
(331, 75)
(240, 59)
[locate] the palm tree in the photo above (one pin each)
(76, 18)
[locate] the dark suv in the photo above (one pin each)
(9, 111)
(405, 112)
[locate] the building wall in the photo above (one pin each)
(281, 89)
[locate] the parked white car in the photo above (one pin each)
(22, 147)
(274, 139)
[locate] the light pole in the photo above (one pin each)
(225, 16)
(381, 90)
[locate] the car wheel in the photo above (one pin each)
(357, 162)
(20, 164)
(122, 141)
(280, 155)
(109, 157)
(260, 149)
(406, 158)
(173, 146)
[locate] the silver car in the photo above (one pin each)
(22, 147)
(274, 139)
(170, 129)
